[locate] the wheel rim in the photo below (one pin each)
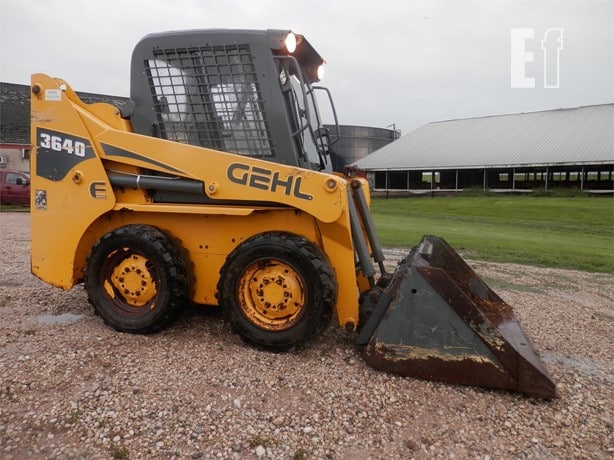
(272, 295)
(130, 281)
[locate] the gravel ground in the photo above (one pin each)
(70, 387)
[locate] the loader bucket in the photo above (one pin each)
(437, 320)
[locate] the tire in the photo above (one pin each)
(136, 279)
(277, 290)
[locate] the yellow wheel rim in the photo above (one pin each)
(272, 295)
(133, 281)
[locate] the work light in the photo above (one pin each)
(290, 42)
(320, 72)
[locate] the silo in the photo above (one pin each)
(356, 142)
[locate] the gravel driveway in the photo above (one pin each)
(70, 387)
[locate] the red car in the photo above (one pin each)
(14, 187)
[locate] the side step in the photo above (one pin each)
(437, 320)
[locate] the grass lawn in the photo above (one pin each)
(13, 208)
(575, 233)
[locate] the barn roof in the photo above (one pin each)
(552, 137)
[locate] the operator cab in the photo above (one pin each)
(242, 91)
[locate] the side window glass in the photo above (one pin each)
(171, 85)
(13, 179)
(210, 96)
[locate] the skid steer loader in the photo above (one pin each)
(213, 186)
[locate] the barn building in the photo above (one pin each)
(508, 153)
(14, 127)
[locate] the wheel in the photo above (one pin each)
(136, 279)
(277, 290)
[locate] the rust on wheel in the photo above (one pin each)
(277, 290)
(136, 278)
(132, 280)
(272, 295)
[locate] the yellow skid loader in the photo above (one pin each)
(213, 186)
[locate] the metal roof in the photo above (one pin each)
(553, 137)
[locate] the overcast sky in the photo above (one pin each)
(388, 62)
